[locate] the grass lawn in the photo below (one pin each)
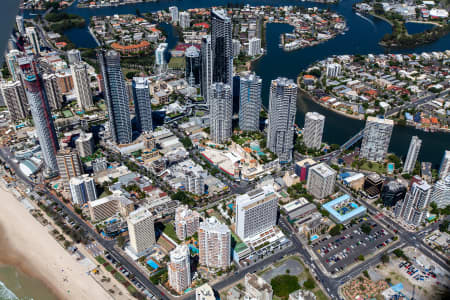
(236, 238)
(109, 268)
(105, 193)
(102, 106)
(100, 260)
(169, 230)
(67, 113)
(320, 295)
(119, 277)
(376, 167)
(177, 63)
(131, 289)
(283, 285)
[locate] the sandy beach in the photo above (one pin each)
(26, 244)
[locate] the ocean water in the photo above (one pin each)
(15, 285)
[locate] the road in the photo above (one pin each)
(43, 37)
(416, 103)
(330, 284)
(6, 156)
(411, 238)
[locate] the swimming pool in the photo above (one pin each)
(193, 249)
(314, 237)
(152, 264)
(354, 205)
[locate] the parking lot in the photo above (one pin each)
(416, 272)
(337, 252)
(125, 272)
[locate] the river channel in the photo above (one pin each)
(361, 38)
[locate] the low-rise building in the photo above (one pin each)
(109, 206)
(256, 288)
(343, 209)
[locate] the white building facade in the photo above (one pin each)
(282, 111)
(321, 180)
(256, 212)
(377, 135)
(141, 230)
(313, 131)
(214, 244)
(82, 189)
(180, 269)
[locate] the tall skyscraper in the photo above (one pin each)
(256, 212)
(54, 95)
(321, 179)
(214, 240)
(174, 14)
(82, 84)
(441, 192)
(20, 25)
(377, 135)
(444, 169)
(185, 19)
(194, 183)
(85, 144)
(413, 153)
(254, 46)
(33, 39)
(82, 189)
(141, 229)
(414, 207)
(221, 112)
(193, 66)
(207, 67)
(180, 269)
(15, 99)
(69, 164)
(74, 56)
(142, 104)
(249, 102)
(282, 110)
(11, 61)
(186, 222)
(161, 54)
(236, 48)
(333, 70)
(116, 97)
(313, 131)
(40, 111)
(222, 47)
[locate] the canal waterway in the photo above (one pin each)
(414, 28)
(362, 38)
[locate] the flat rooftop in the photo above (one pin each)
(341, 218)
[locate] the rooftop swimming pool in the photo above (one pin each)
(193, 248)
(152, 264)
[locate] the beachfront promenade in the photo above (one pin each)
(7, 157)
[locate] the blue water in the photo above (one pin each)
(413, 28)
(193, 249)
(354, 205)
(314, 237)
(152, 264)
(362, 38)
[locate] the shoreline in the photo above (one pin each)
(29, 247)
(17, 262)
(442, 130)
(313, 98)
